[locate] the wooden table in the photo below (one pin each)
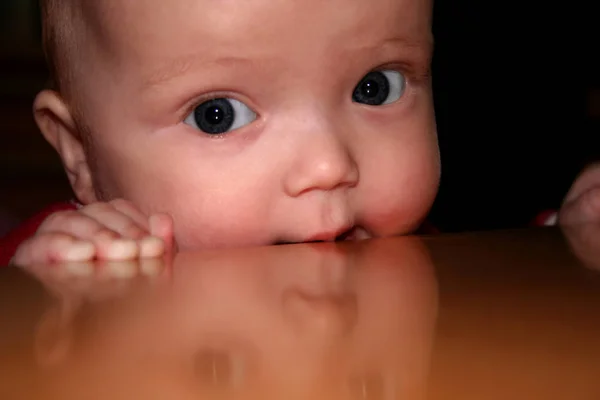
(504, 315)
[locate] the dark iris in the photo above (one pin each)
(215, 116)
(372, 90)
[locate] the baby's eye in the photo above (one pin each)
(379, 87)
(218, 116)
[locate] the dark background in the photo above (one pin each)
(517, 102)
(513, 86)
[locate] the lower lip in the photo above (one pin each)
(358, 234)
(349, 235)
(354, 234)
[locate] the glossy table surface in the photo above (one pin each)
(495, 315)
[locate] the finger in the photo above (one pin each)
(161, 226)
(149, 246)
(109, 244)
(585, 181)
(76, 224)
(116, 249)
(129, 209)
(585, 208)
(115, 220)
(49, 248)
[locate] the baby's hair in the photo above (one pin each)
(61, 20)
(56, 26)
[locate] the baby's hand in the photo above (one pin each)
(116, 230)
(582, 203)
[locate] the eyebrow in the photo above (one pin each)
(423, 46)
(179, 66)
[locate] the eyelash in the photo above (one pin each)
(197, 101)
(414, 77)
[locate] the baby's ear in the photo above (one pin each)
(56, 122)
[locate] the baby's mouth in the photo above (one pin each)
(348, 235)
(353, 233)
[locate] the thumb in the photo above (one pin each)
(583, 209)
(161, 226)
(586, 180)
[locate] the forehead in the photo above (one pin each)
(158, 26)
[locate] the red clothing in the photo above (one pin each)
(10, 243)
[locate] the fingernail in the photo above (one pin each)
(151, 247)
(154, 223)
(79, 251)
(121, 249)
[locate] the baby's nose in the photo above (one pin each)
(321, 162)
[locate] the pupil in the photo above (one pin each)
(370, 88)
(214, 115)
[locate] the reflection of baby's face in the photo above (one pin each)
(309, 321)
(257, 122)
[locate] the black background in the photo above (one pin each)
(511, 85)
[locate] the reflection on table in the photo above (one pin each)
(314, 321)
(489, 315)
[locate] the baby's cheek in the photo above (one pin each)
(217, 224)
(399, 204)
(388, 218)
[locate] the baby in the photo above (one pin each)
(206, 124)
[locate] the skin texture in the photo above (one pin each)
(307, 162)
(312, 165)
(582, 203)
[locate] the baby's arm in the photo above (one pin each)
(116, 230)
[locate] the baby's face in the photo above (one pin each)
(258, 122)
